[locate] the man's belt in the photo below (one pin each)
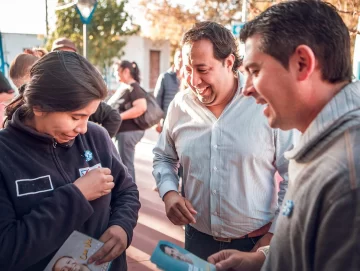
(263, 230)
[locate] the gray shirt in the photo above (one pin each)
(229, 163)
(319, 225)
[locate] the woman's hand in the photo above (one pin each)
(96, 183)
(115, 242)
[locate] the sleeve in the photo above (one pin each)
(284, 141)
(159, 91)
(28, 239)
(137, 93)
(107, 117)
(166, 160)
(125, 202)
(337, 243)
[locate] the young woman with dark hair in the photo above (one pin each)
(131, 104)
(59, 172)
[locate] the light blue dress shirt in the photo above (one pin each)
(229, 163)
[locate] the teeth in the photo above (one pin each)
(200, 91)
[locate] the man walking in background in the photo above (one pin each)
(168, 84)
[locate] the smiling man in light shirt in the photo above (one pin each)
(228, 152)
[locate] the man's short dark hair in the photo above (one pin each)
(223, 41)
(285, 26)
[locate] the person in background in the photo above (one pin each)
(298, 62)
(63, 44)
(61, 173)
(131, 103)
(6, 94)
(168, 84)
(228, 152)
(36, 51)
(20, 68)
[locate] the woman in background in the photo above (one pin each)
(131, 104)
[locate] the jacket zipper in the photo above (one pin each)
(58, 164)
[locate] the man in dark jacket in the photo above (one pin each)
(168, 84)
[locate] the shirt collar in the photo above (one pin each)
(330, 122)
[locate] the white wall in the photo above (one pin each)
(138, 49)
(14, 44)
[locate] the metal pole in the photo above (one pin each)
(2, 59)
(244, 11)
(84, 40)
(46, 18)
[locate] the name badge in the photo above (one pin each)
(33, 186)
(85, 170)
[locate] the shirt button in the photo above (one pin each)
(214, 192)
(215, 168)
(215, 146)
(215, 213)
(216, 233)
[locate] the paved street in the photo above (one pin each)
(153, 224)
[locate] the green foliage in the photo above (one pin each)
(105, 32)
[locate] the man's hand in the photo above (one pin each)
(234, 260)
(178, 209)
(115, 242)
(264, 241)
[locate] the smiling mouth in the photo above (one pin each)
(202, 91)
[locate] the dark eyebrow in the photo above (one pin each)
(200, 65)
(251, 65)
(80, 114)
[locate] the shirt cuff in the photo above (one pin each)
(273, 224)
(166, 187)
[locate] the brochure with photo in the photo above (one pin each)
(74, 254)
(170, 257)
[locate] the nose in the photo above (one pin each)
(248, 89)
(195, 79)
(82, 127)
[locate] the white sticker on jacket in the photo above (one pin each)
(85, 170)
(33, 186)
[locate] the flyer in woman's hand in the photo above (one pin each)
(75, 253)
(168, 256)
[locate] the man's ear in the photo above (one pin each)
(229, 62)
(303, 62)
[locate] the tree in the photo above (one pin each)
(220, 11)
(106, 30)
(167, 21)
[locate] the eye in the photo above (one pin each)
(254, 72)
(75, 118)
(202, 71)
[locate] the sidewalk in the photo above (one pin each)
(153, 225)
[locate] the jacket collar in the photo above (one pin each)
(341, 113)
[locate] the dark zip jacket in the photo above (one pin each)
(39, 204)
